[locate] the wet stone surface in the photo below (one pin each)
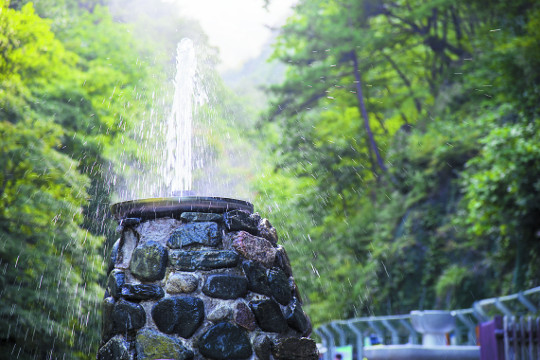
(115, 349)
(151, 344)
(181, 283)
(127, 316)
(178, 315)
(149, 261)
(263, 347)
(225, 341)
(199, 216)
(297, 319)
(113, 257)
(241, 220)
(269, 316)
(254, 248)
(267, 231)
(202, 233)
(116, 279)
(225, 286)
(279, 285)
(256, 277)
(107, 325)
(282, 261)
(295, 348)
(202, 259)
(244, 317)
(142, 292)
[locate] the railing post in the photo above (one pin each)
(529, 305)
(324, 339)
(471, 334)
(359, 340)
(331, 343)
(378, 330)
(341, 334)
(394, 334)
(413, 335)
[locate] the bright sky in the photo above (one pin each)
(237, 27)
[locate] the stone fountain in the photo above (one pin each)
(200, 278)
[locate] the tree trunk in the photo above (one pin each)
(363, 111)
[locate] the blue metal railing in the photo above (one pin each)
(397, 329)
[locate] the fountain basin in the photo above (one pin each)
(433, 325)
(421, 352)
(173, 207)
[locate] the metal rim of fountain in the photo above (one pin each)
(154, 208)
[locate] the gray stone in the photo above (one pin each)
(225, 286)
(297, 319)
(203, 259)
(127, 316)
(254, 248)
(269, 316)
(244, 317)
(295, 348)
(115, 349)
(241, 220)
(113, 257)
(282, 261)
(279, 285)
(256, 277)
(199, 216)
(262, 345)
(267, 231)
(115, 281)
(178, 315)
(151, 345)
(222, 313)
(181, 283)
(149, 261)
(225, 341)
(127, 244)
(107, 325)
(142, 292)
(203, 233)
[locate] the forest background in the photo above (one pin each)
(399, 152)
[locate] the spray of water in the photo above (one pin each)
(178, 172)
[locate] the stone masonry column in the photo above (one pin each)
(189, 279)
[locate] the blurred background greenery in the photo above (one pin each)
(394, 145)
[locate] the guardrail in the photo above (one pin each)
(397, 329)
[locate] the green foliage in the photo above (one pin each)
(450, 94)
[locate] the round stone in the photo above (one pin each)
(149, 261)
(202, 233)
(279, 285)
(114, 349)
(256, 277)
(178, 315)
(296, 318)
(295, 348)
(225, 286)
(181, 283)
(107, 325)
(225, 341)
(127, 316)
(244, 317)
(115, 281)
(142, 292)
(152, 345)
(114, 256)
(269, 316)
(263, 347)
